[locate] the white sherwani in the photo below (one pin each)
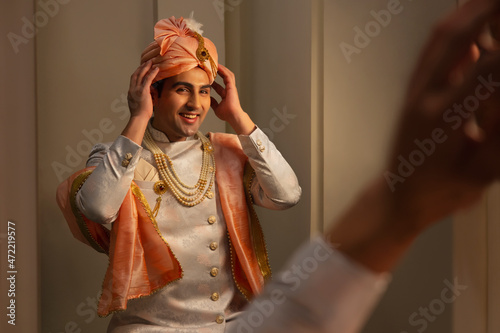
(206, 298)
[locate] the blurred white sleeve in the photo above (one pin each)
(321, 291)
(276, 185)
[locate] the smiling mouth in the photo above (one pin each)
(189, 115)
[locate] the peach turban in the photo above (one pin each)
(179, 47)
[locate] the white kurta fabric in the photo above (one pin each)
(321, 291)
(197, 235)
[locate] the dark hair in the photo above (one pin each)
(158, 85)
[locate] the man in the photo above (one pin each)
(186, 251)
(333, 288)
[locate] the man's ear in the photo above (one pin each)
(154, 95)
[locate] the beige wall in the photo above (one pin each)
(362, 94)
(18, 192)
(85, 56)
(270, 44)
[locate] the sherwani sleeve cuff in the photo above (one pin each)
(277, 186)
(321, 291)
(254, 144)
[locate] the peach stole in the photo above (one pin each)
(248, 252)
(140, 260)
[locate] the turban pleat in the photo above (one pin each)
(175, 47)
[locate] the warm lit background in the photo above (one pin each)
(326, 93)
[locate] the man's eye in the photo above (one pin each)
(182, 90)
(205, 92)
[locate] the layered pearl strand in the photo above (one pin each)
(185, 194)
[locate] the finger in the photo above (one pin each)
(483, 86)
(473, 131)
(489, 39)
(148, 79)
(219, 89)
(464, 66)
(134, 76)
(223, 69)
(143, 72)
(451, 42)
(138, 75)
(213, 103)
(455, 37)
(226, 74)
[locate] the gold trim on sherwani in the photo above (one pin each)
(140, 262)
(257, 233)
(88, 232)
(246, 241)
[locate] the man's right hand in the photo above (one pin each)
(456, 117)
(139, 98)
(140, 101)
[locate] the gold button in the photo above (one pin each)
(213, 246)
(211, 169)
(262, 148)
(128, 156)
(214, 297)
(211, 219)
(210, 195)
(125, 163)
(214, 271)
(259, 143)
(219, 319)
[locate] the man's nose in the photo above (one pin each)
(194, 102)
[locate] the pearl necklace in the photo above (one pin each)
(186, 195)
